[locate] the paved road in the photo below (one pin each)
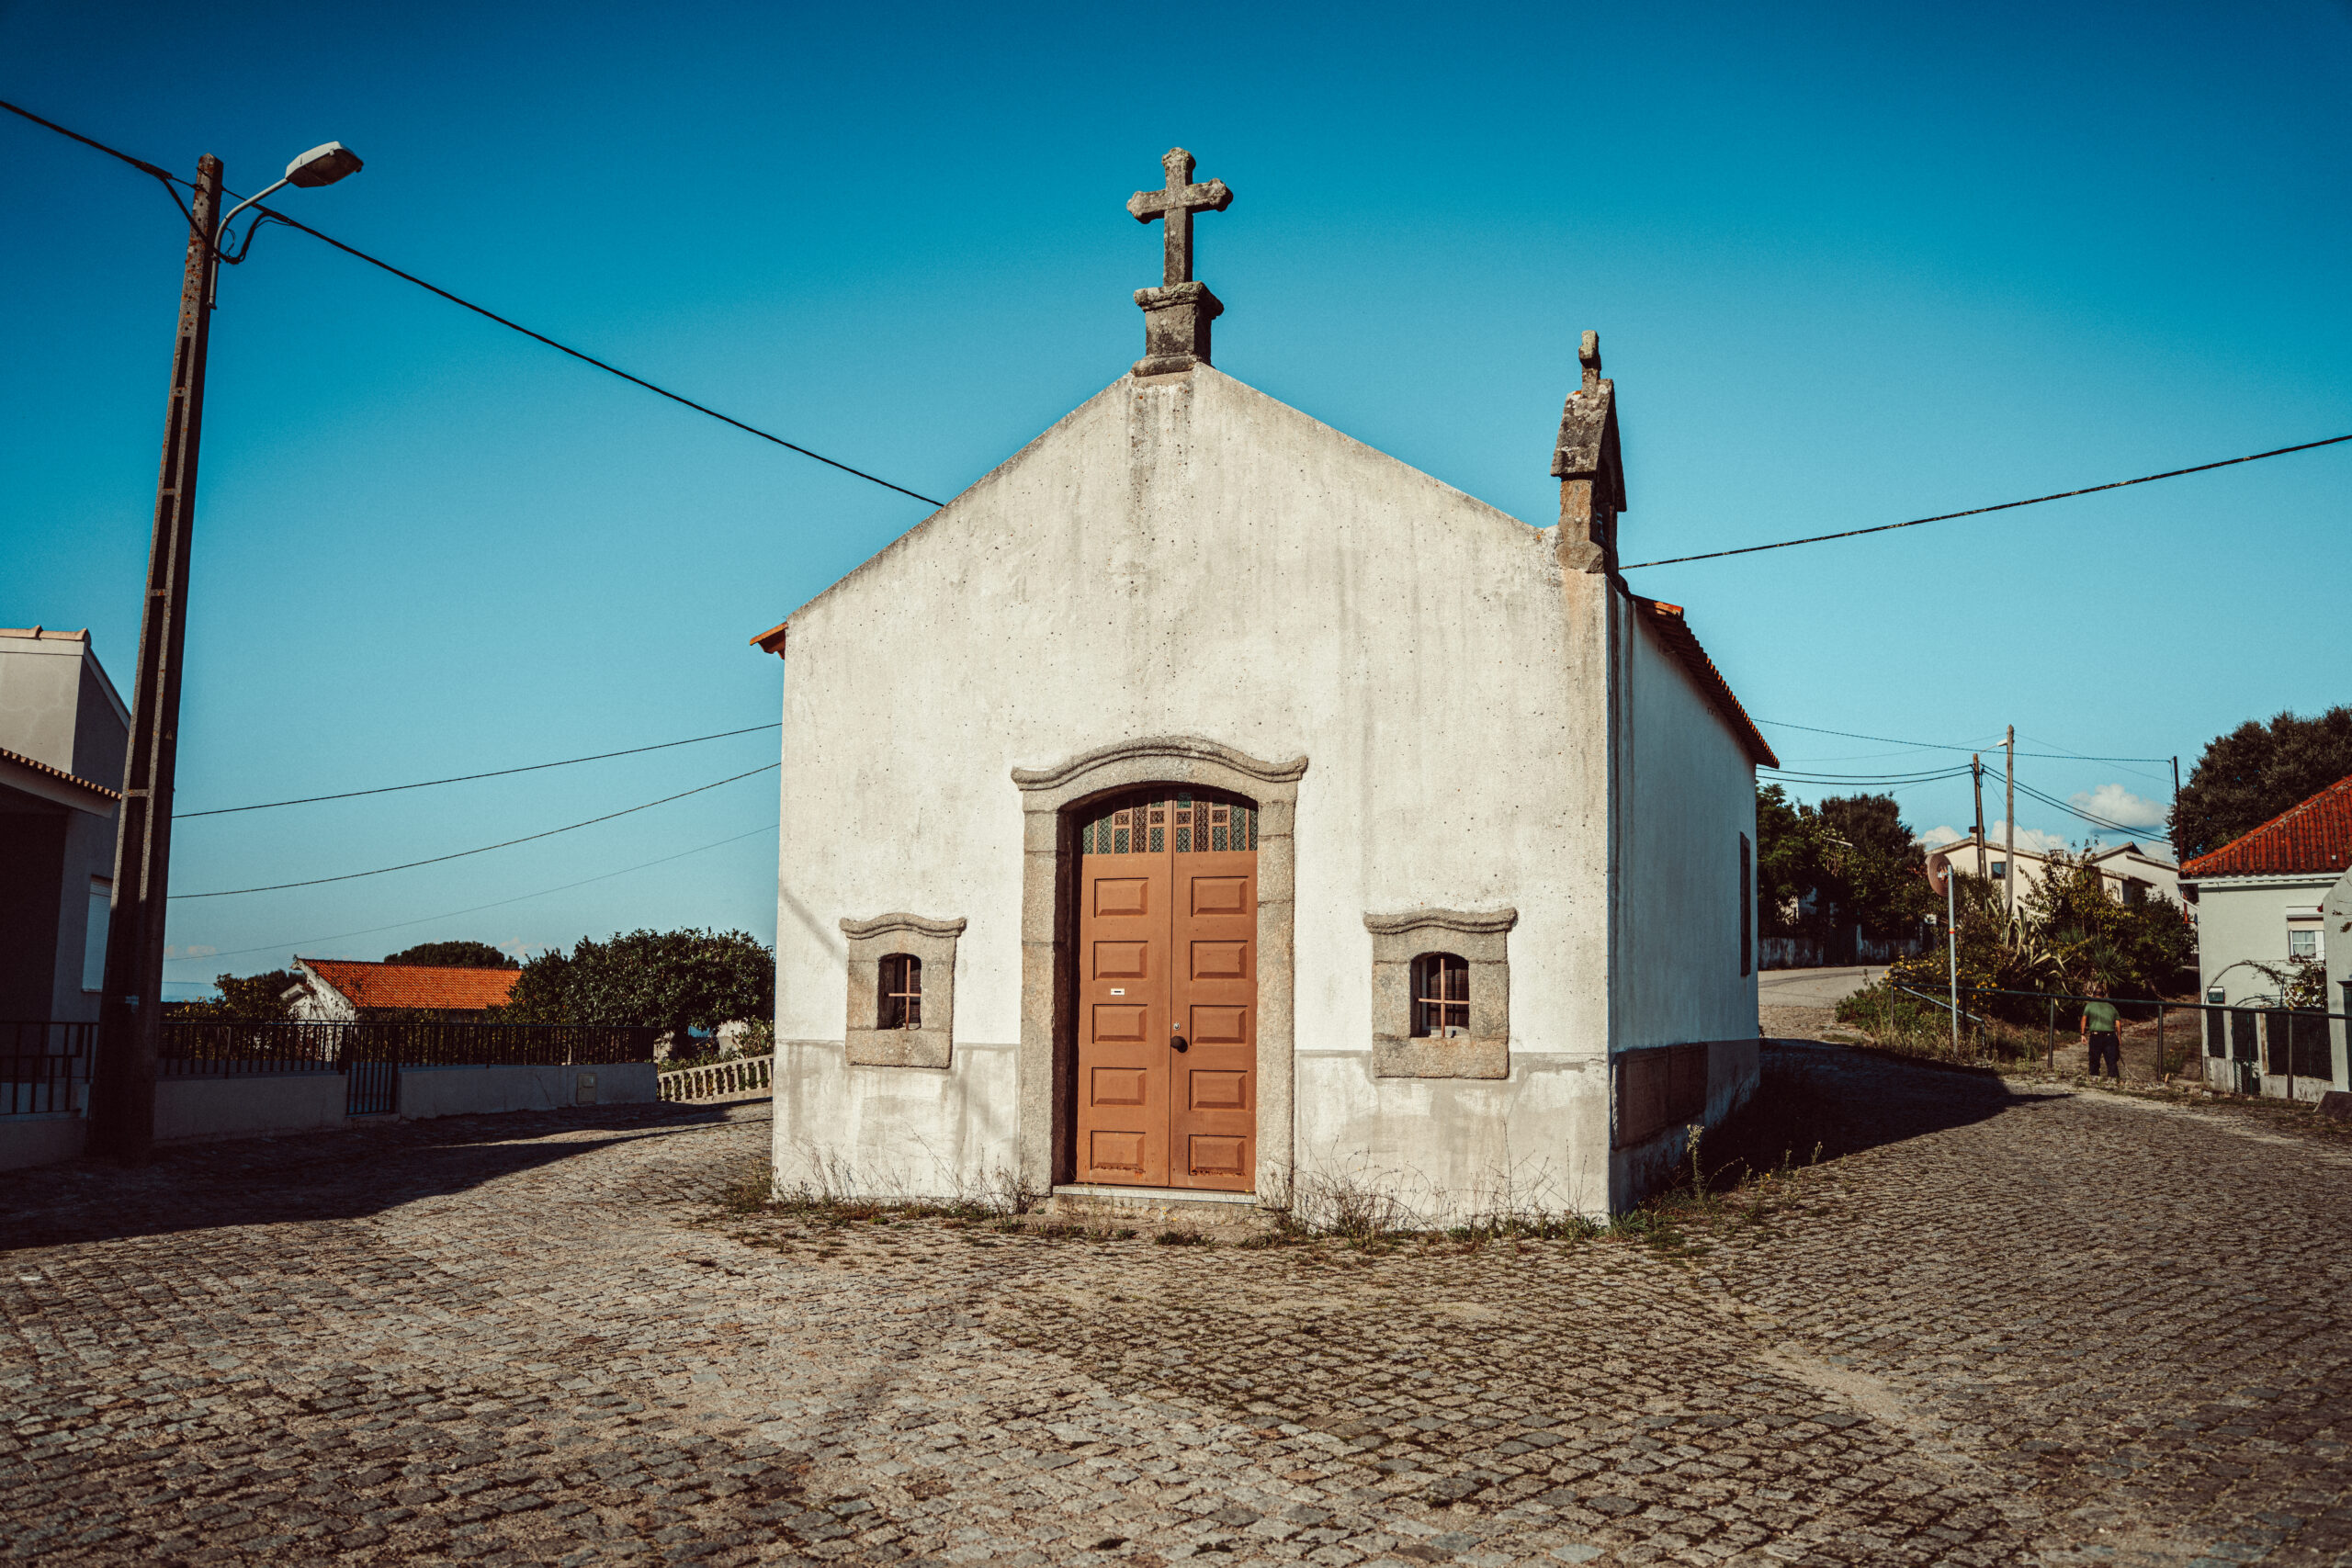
(1813, 987)
(2050, 1327)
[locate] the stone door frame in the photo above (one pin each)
(1051, 799)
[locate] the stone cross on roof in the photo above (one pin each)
(1175, 204)
(1177, 314)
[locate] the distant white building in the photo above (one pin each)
(2261, 901)
(2132, 874)
(64, 732)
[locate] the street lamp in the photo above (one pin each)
(131, 1011)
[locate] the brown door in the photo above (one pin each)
(1167, 992)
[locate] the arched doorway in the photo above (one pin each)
(1166, 989)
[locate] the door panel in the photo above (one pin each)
(1123, 1021)
(1168, 918)
(1214, 1119)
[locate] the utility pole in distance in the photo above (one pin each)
(2009, 825)
(122, 1090)
(1977, 780)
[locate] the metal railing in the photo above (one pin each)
(2296, 1045)
(44, 1067)
(213, 1047)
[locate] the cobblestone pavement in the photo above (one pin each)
(2008, 1324)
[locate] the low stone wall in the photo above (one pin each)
(428, 1092)
(41, 1140)
(239, 1105)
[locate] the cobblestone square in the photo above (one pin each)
(2008, 1324)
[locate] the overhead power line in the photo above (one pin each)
(300, 942)
(507, 843)
(277, 217)
(1948, 746)
(2001, 506)
(2107, 824)
(466, 778)
(1799, 775)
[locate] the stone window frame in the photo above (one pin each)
(1052, 801)
(1481, 938)
(870, 942)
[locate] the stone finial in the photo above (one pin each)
(1592, 471)
(1177, 314)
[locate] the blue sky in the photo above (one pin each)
(1850, 265)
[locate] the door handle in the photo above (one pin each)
(1177, 1043)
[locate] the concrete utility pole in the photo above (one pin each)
(2009, 825)
(1977, 780)
(122, 1090)
(130, 1010)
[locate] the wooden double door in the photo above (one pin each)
(1167, 1011)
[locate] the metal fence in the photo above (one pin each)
(44, 1067)
(192, 1047)
(2296, 1045)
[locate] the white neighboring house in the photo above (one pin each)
(64, 733)
(2131, 873)
(2261, 911)
(1206, 805)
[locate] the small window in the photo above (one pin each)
(1747, 906)
(94, 935)
(901, 992)
(2000, 870)
(1441, 995)
(2302, 944)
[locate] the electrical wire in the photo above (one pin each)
(300, 942)
(2001, 506)
(1799, 776)
(466, 778)
(277, 217)
(1947, 746)
(507, 843)
(2104, 823)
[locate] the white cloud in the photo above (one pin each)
(195, 949)
(2032, 839)
(2116, 803)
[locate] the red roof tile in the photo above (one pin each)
(2314, 837)
(415, 985)
(41, 767)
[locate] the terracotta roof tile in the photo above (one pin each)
(415, 985)
(41, 767)
(1668, 622)
(2314, 837)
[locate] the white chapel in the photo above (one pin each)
(1205, 805)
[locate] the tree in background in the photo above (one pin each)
(455, 955)
(248, 998)
(680, 981)
(1850, 861)
(2256, 772)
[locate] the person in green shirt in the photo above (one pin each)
(2100, 1019)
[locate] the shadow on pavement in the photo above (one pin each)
(317, 1176)
(1819, 1102)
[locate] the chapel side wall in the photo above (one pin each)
(1190, 557)
(1689, 797)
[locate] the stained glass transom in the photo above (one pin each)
(1189, 822)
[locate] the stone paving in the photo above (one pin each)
(2001, 1323)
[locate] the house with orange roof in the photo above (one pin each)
(2261, 921)
(346, 990)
